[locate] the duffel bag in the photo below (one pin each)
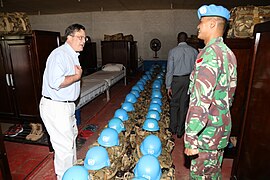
(14, 23)
(244, 18)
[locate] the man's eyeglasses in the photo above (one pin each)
(81, 37)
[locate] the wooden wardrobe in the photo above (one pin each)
(253, 155)
(123, 52)
(88, 58)
(22, 62)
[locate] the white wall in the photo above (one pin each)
(143, 25)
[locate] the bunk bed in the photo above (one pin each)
(97, 83)
(90, 89)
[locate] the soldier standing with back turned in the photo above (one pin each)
(180, 63)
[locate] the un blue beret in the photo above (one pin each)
(213, 10)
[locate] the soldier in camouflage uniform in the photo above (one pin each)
(212, 86)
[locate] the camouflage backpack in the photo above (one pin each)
(14, 23)
(244, 18)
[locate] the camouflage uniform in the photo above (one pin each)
(208, 122)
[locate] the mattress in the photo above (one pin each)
(91, 88)
(111, 77)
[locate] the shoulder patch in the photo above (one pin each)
(199, 60)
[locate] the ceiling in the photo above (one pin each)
(34, 7)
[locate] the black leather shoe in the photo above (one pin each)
(179, 136)
(173, 132)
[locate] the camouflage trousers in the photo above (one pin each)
(207, 165)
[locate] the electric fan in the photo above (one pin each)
(155, 45)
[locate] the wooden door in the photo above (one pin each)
(107, 52)
(253, 157)
(115, 52)
(21, 60)
(88, 58)
(7, 107)
(44, 42)
(243, 50)
(133, 57)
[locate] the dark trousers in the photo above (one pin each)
(179, 104)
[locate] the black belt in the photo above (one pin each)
(58, 101)
(181, 75)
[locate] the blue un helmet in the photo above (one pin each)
(159, 76)
(157, 101)
(128, 106)
(131, 98)
(150, 124)
(96, 158)
(155, 106)
(117, 124)
(156, 93)
(160, 80)
(152, 68)
(157, 80)
(145, 77)
(122, 114)
(151, 145)
(162, 74)
(153, 114)
(149, 76)
(148, 72)
(141, 86)
(135, 87)
(156, 84)
(76, 173)
(140, 83)
(108, 138)
(148, 167)
(143, 81)
(136, 93)
(163, 67)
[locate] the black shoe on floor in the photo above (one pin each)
(173, 132)
(179, 136)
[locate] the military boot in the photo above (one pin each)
(38, 134)
(33, 131)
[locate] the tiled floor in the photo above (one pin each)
(99, 112)
(24, 158)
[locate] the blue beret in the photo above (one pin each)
(213, 10)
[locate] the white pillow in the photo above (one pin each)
(112, 67)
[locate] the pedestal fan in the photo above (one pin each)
(155, 45)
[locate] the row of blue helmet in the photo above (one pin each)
(154, 110)
(148, 166)
(97, 157)
(131, 97)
